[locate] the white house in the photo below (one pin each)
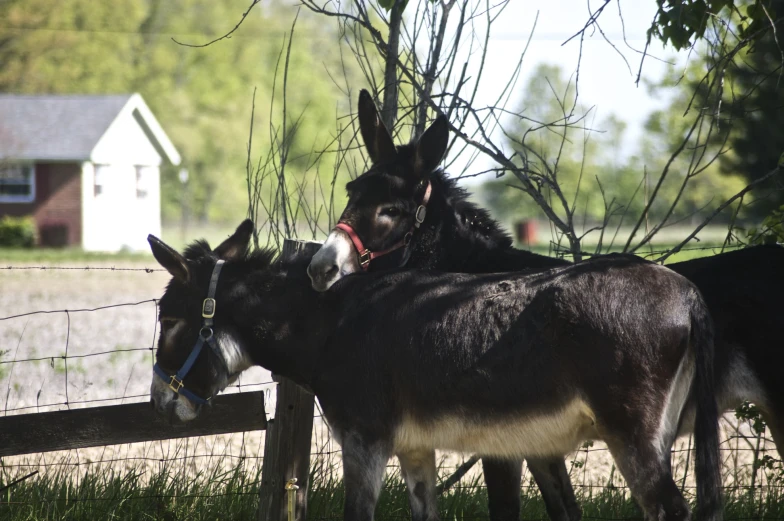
(86, 168)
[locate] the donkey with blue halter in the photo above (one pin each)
(506, 365)
(206, 335)
(742, 289)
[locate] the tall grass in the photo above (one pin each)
(165, 494)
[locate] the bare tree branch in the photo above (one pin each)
(225, 36)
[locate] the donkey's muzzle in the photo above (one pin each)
(322, 276)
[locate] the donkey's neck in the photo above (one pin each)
(459, 236)
(282, 322)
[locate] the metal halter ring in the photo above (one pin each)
(208, 330)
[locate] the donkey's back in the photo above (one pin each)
(514, 343)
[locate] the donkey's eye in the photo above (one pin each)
(390, 211)
(167, 322)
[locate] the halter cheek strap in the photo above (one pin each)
(365, 255)
(205, 336)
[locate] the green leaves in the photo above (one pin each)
(681, 22)
(750, 413)
(389, 4)
(771, 231)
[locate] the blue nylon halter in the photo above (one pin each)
(205, 336)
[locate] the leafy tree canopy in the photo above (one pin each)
(735, 80)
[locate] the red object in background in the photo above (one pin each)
(525, 232)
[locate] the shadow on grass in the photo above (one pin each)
(186, 492)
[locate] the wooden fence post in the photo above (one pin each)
(288, 440)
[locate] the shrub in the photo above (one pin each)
(17, 232)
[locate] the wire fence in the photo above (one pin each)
(75, 337)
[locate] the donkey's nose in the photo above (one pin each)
(160, 407)
(321, 274)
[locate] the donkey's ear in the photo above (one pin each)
(378, 140)
(236, 246)
(169, 258)
(431, 147)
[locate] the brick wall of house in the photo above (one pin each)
(57, 208)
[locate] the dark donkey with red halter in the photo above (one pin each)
(407, 362)
(743, 289)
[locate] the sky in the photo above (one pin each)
(608, 70)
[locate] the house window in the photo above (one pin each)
(143, 180)
(101, 179)
(17, 183)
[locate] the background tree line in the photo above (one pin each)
(722, 130)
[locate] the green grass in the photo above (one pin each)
(702, 249)
(54, 256)
(132, 495)
(173, 235)
(164, 494)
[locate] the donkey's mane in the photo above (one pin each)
(198, 250)
(473, 218)
(255, 260)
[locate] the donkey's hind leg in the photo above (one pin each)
(419, 472)
(553, 480)
(364, 462)
(647, 472)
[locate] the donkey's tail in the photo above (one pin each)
(706, 421)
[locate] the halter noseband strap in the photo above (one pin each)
(365, 255)
(205, 336)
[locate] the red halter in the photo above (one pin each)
(365, 255)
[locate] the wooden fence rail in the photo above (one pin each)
(130, 423)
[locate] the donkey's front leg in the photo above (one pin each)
(419, 472)
(364, 461)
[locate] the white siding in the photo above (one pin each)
(117, 218)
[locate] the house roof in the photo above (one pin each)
(68, 127)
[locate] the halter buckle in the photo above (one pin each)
(208, 308)
(174, 381)
(421, 213)
(364, 258)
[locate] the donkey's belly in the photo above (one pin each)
(506, 436)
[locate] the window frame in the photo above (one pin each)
(142, 182)
(21, 199)
(99, 181)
